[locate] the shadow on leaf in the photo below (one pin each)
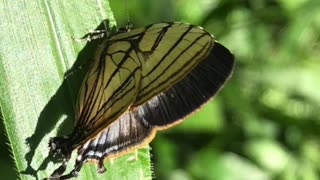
(62, 103)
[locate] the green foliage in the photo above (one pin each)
(265, 122)
(263, 125)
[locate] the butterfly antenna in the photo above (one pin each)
(129, 25)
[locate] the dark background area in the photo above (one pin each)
(265, 122)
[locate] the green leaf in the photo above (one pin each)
(36, 100)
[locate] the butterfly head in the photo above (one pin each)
(59, 145)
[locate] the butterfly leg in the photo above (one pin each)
(92, 35)
(101, 168)
(58, 172)
(74, 172)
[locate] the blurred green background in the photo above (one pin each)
(265, 123)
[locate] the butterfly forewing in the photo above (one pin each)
(135, 66)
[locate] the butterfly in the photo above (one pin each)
(141, 81)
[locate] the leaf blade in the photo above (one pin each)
(35, 51)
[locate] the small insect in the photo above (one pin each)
(141, 81)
